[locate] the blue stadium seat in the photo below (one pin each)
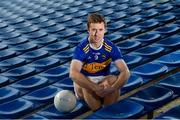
(29, 15)
(10, 35)
(133, 82)
(134, 2)
(149, 14)
(164, 8)
(36, 34)
(172, 82)
(76, 4)
(54, 29)
(113, 27)
(16, 41)
(3, 81)
(148, 38)
(8, 93)
(149, 51)
(56, 74)
(133, 10)
(64, 18)
(150, 70)
(98, 3)
(108, 4)
(85, 6)
(12, 63)
(6, 29)
(81, 29)
(19, 73)
(177, 23)
(172, 42)
(148, 24)
(44, 64)
(170, 60)
(56, 47)
(132, 60)
(168, 30)
(22, 25)
(43, 96)
(45, 40)
(117, 111)
(66, 84)
(3, 24)
(70, 11)
(153, 97)
(132, 19)
(52, 113)
(39, 20)
(115, 37)
(64, 55)
(130, 31)
(34, 55)
(161, 1)
(3, 46)
(107, 12)
(116, 17)
(6, 54)
(30, 84)
(123, 1)
(121, 7)
(165, 18)
(28, 29)
(148, 5)
(74, 40)
(128, 45)
(47, 24)
(66, 33)
(15, 109)
(35, 116)
(176, 3)
(25, 47)
(171, 114)
(14, 19)
(72, 23)
(46, 11)
(79, 14)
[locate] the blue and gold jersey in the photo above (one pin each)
(96, 62)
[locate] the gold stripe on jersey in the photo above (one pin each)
(86, 49)
(107, 50)
(107, 47)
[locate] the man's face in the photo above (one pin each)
(96, 32)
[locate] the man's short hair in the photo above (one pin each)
(95, 18)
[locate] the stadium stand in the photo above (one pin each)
(37, 40)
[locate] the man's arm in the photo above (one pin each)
(79, 78)
(124, 74)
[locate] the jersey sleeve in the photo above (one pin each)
(79, 54)
(116, 53)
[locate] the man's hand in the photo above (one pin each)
(107, 89)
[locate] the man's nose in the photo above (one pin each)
(96, 32)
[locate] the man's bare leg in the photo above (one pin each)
(78, 91)
(113, 97)
(92, 99)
